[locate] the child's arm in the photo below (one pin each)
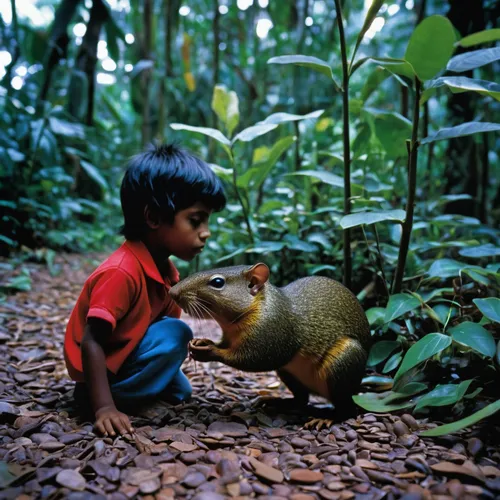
(108, 418)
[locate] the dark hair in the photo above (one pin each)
(166, 179)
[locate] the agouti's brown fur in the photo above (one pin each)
(313, 331)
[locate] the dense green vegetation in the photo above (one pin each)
(358, 140)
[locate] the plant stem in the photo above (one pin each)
(240, 199)
(347, 152)
(381, 260)
(410, 203)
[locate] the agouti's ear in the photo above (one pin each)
(257, 276)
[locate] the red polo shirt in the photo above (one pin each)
(128, 291)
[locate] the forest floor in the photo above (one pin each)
(218, 445)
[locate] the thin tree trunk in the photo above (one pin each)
(16, 49)
(58, 42)
(146, 74)
(86, 61)
(462, 169)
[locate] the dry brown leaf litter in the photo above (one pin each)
(219, 445)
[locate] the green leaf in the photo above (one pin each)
(431, 46)
(490, 308)
(474, 336)
(445, 268)
(392, 362)
(370, 17)
(391, 129)
(443, 395)
(66, 128)
(250, 133)
(422, 350)
(381, 403)
(225, 104)
(141, 66)
(381, 351)
(400, 304)
(278, 118)
(263, 168)
(264, 247)
(473, 60)
(461, 130)
(307, 61)
(211, 132)
(373, 82)
(481, 251)
(395, 66)
(376, 316)
(459, 84)
(442, 430)
(360, 218)
(326, 177)
(94, 174)
(484, 36)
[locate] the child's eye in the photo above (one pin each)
(195, 222)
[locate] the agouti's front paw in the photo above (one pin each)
(202, 350)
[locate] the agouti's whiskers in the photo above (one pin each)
(204, 307)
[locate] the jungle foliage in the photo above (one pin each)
(365, 154)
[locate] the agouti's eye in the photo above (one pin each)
(217, 282)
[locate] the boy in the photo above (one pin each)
(124, 342)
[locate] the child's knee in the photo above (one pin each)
(171, 332)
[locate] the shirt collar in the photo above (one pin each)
(139, 249)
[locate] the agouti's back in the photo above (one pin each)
(327, 310)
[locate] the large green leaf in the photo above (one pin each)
(473, 60)
(422, 350)
(211, 132)
(445, 268)
(443, 430)
(461, 130)
(391, 129)
(66, 128)
(382, 403)
(307, 61)
(484, 36)
(490, 307)
(360, 218)
(459, 84)
(400, 304)
(250, 133)
(474, 336)
(94, 174)
(225, 104)
(264, 167)
(443, 395)
(370, 17)
(278, 118)
(375, 316)
(431, 46)
(381, 351)
(395, 66)
(326, 177)
(480, 252)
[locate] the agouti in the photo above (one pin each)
(313, 331)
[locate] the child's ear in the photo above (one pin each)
(152, 218)
(257, 276)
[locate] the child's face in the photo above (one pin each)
(187, 235)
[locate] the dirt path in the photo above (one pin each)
(216, 446)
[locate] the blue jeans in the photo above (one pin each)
(153, 368)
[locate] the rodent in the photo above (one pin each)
(313, 331)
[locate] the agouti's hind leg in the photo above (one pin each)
(299, 391)
(344, 367)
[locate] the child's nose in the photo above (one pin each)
(205, 234)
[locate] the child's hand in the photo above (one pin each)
(108, 418)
